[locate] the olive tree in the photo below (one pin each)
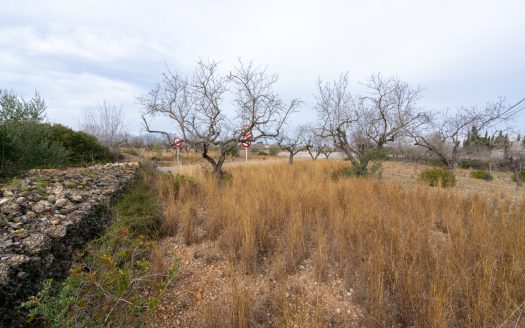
(198, 108)
(14, 109)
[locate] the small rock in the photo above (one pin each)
(75, 198)
(55, 221)
(8, 193)
(60, 202)
(58, 190)
(338, 310)
(22, 275)
(41, 206)
(31, 214)
(4, 200)
(20, 200)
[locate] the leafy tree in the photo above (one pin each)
(15, 109)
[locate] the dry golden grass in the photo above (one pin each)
(415, 255)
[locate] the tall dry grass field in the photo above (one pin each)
(415, 255)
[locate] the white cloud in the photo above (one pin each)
(80, 52)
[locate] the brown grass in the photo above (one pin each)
(416, 256)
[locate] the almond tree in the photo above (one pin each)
(362, 125)
(107, 123)
(293, 142)
(316, 144)
(197, 107)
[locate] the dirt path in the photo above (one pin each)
(190, 168)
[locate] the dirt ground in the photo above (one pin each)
(208, 293)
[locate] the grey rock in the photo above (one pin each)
(20, 200)
(41, 206)
(60, 202)
(74, 197)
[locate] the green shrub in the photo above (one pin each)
(473, 164)
(261, 153)
(83, 148)
(482, 175)
(27, 145)
(438, 177)
(368, 164)
(273, 150)
(234, 152)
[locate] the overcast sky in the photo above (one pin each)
(79, 53)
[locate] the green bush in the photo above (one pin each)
(27, 145)
(234, 152)
(83, 148)
(473, 164)
(273, 150)
(482, 175)
(438, 177)
(261, 153)
(367, 164)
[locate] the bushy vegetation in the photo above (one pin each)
(473, 164)
(131, 151)
(273, 150)
(438, 177)
(234, 152)
(481, 175)
(26, 142)
(117, 277)
(521, 175)
(369, 164)
(29, 145)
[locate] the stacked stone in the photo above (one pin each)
(45, 216)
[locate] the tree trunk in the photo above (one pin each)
(218, 167)
(516, 170)
(290, 158)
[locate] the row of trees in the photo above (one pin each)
(360, 125)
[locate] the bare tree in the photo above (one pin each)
(315, 143)
(197, 107)
(107, 123)
(293, 142)
(360, 126)
(443, 133)
(388, 109)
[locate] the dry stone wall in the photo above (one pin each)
(45, 216)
